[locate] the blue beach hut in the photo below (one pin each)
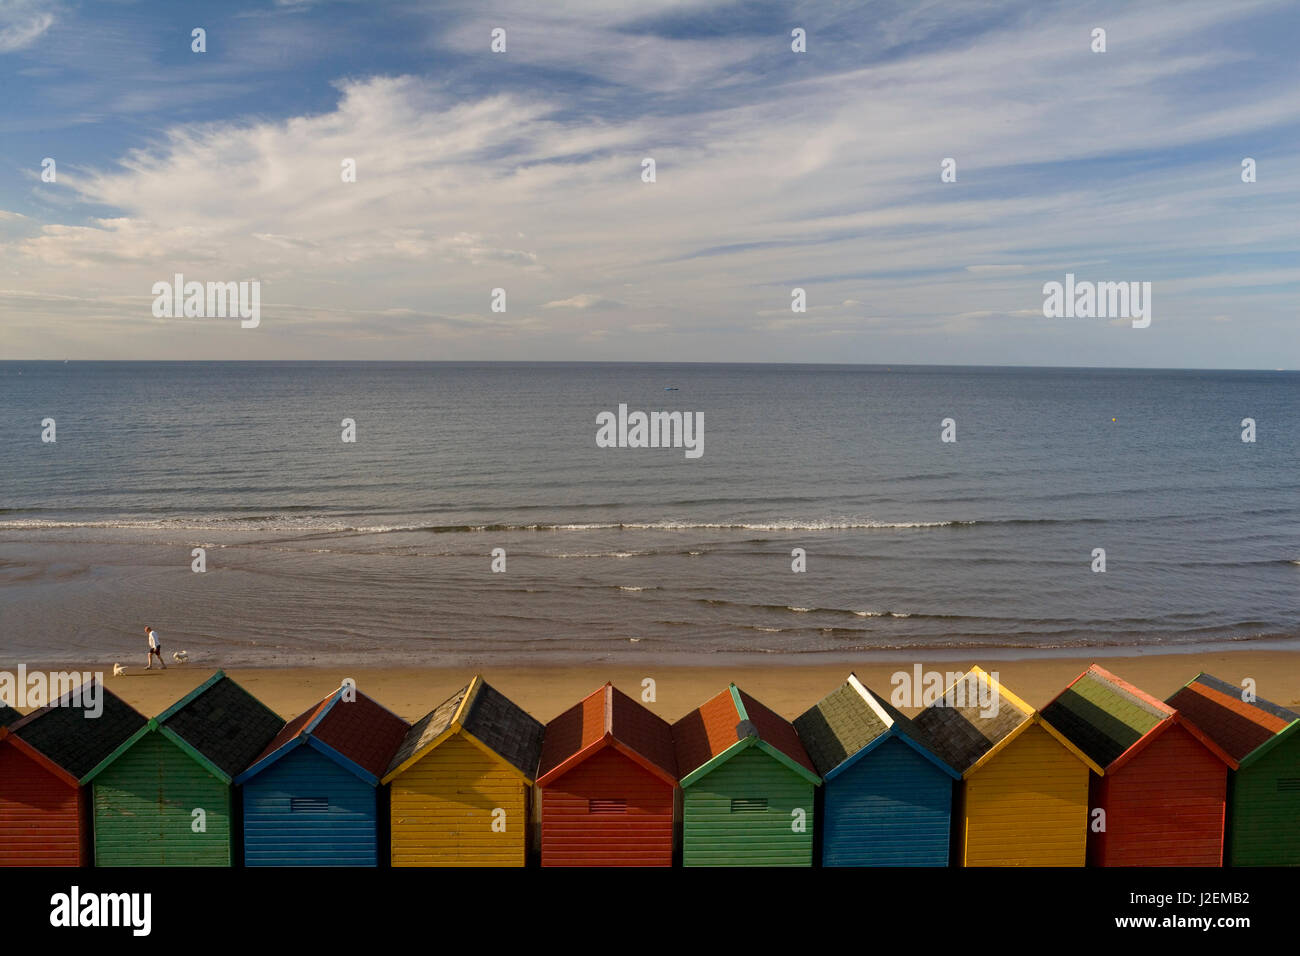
(887, 795)
(313, 797)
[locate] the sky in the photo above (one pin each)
(522, 170)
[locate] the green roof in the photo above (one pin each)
(852, 719)
(837, 727)
(1103, 716)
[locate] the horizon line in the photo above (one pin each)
(872, 365)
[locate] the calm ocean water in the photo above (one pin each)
(378, 551)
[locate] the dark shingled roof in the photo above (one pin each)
(427, 729)
(73, 739)
(8, 715)
(490, 716)
(959, 732)
(1216, 709)
(226, 724)
(505, 727)
(905, 724)
(1103, 716)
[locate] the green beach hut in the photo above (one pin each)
(164, 797)
(747, 784)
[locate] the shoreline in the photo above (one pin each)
(546, 690)
(626, 653)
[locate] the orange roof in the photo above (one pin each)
(719, 724)
(706, 731)
(608, 716)
(776, 730)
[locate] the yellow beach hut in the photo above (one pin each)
(1023, 799)
(461, 783)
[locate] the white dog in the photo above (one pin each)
(118, 670)
(181, 657)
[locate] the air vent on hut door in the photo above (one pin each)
(308, 804)
(607, 806)
(749, 805)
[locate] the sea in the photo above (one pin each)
(475, 520)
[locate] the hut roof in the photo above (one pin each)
(850, 721)
(1111, 720)
(347, 724)
(1244, 729)
(487, 716)
(219, 724)
(72, 740)
(223, 722)
(967, 736)
(428, 730)
(608, 717)
(8, 715)
(728, 723)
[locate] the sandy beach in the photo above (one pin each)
(546, 691)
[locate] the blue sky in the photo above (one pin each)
(775, 170)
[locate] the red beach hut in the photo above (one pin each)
(1163, 785)
(608, 783)
(44, 760)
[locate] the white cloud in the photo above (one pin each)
(830, 182)
(584, 300)
(23, 22)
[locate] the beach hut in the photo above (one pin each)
(1023, 799)
(886, 795)
(608, 783)
(460, 783)
(312, 797)
(1263, 741)
(44, 760)
(1163, 784)
(748, 785)
(164, 796)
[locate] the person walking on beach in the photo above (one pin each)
(155, 647)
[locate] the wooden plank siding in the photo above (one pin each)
(344, 833)
(890, 808)
(1165, 807)
(42, 818)
(143, 803)
(1028, 806)
(714, 835)
(642, 835)
(441, 809)
(1264, 809)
